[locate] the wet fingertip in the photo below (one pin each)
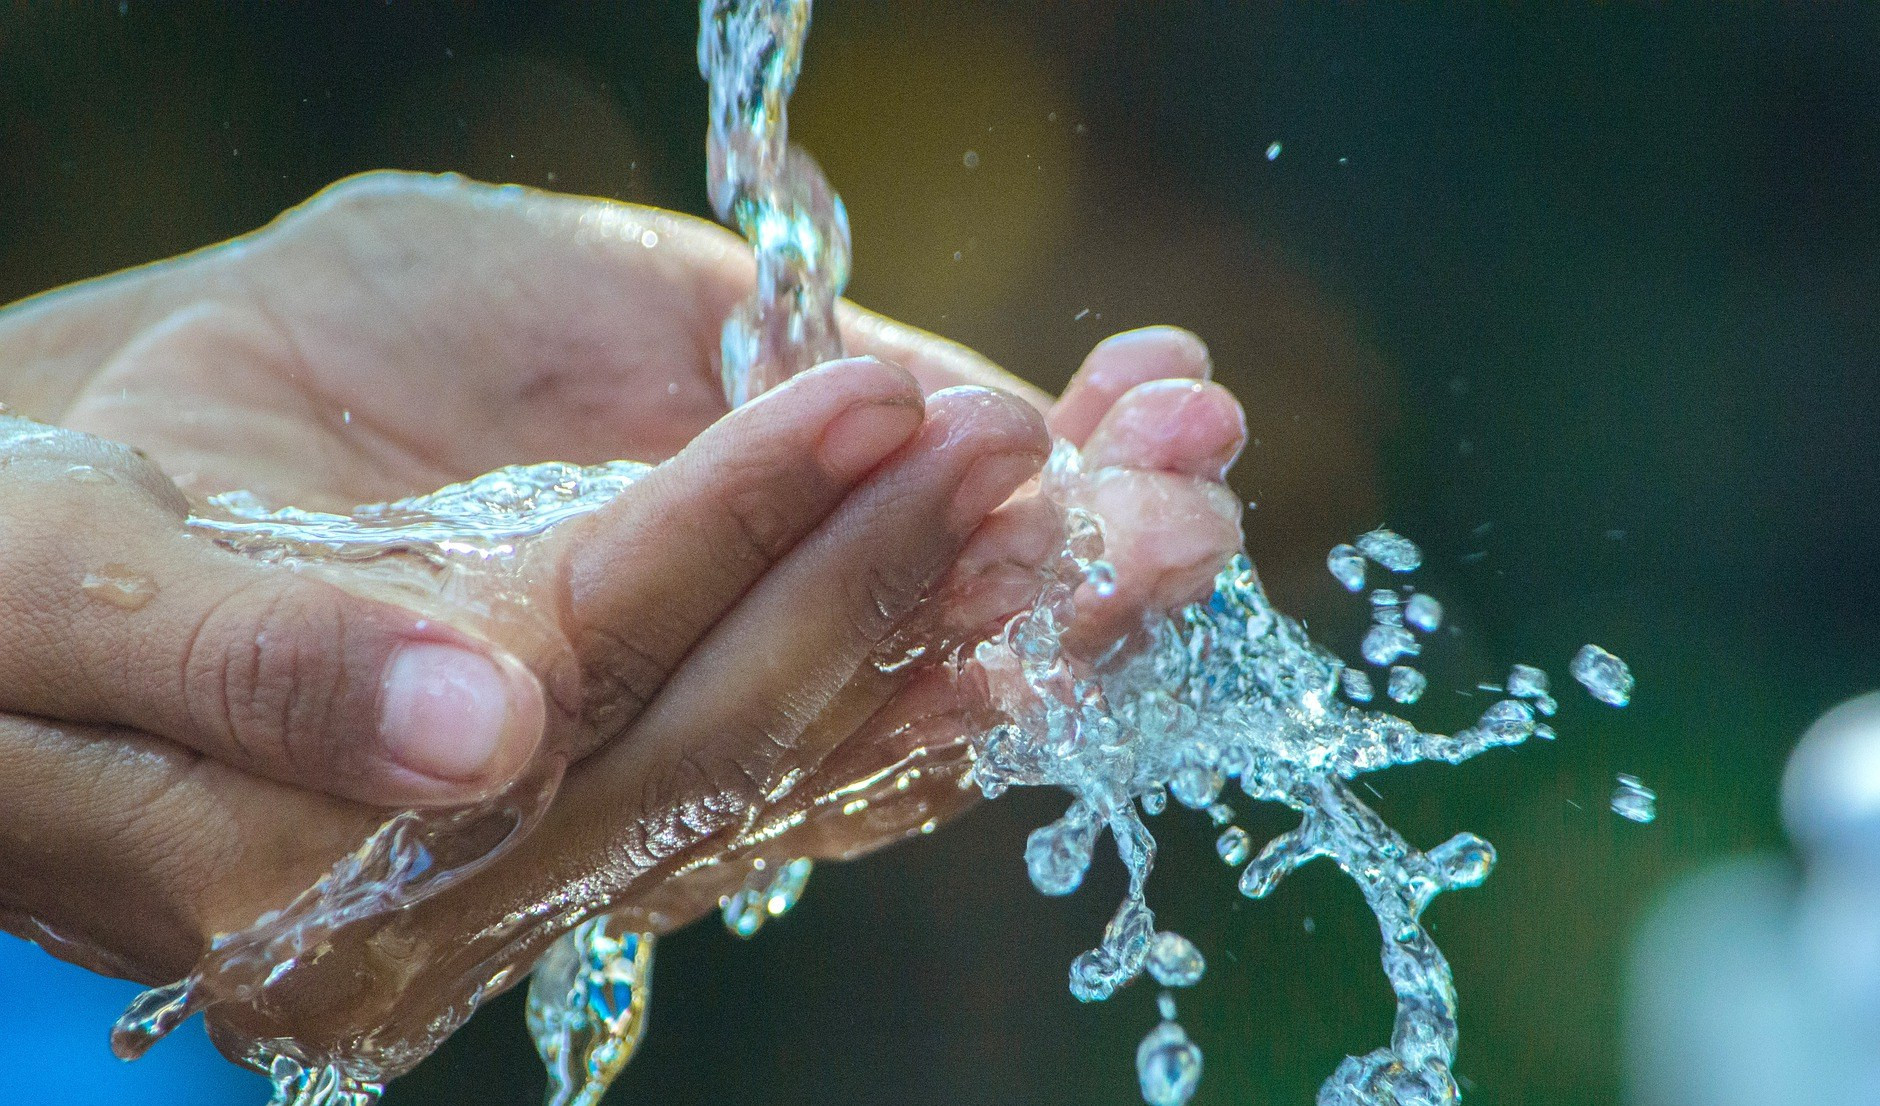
(1166, 351)
(865, 434)
(1188, 427)
(1120, 363)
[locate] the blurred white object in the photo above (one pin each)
(1753, 983)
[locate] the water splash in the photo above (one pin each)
(749, 52)
(1226, 690)
(1633, 801)
(766, 893)
(588, 1000)
(434, 542)
(1231, 689)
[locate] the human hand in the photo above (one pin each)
(219, 846)
(395, 334)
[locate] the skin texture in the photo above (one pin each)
(699, 653)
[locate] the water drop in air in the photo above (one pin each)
(1406, 683)
(1168, 1065)
(1391, 549)
(1347, 566)
(1632, 800)
(1424, 613)
(1174, 960)
(1604, 676)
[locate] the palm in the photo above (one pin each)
(401, 333)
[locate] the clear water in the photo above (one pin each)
(1225, 692)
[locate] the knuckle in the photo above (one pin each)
(755, 511)
(881, 595)
(266, 672)
(619, 677)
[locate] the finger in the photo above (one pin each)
(129, 853)
(936, 362)
(1119, 363)
(808, 627)
(651, 572)
(115, 614)
(1185, 427)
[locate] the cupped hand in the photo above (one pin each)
(742, 656)
(395, 334)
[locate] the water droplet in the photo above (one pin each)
(1356, 685)
(1155, 800)
(1234, 846)
(1273, 151)
(120, 586)
(1604, 676)
(1165, 1005)
(1384, 644)
(1168, 1065)
(1058, 855)
(1407, 684)
(1220, 814)
(1195, 786)
(1634, 801)
(1347, 567)
(1423, 612)
(1391, 549)
(1386, 608)
(1527, 682)
(1174, 960)
(1101, 576)
(649, 238)
(766, 894)
(970, 159)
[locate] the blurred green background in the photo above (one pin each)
(1580, 299)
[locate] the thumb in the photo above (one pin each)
(111, 612)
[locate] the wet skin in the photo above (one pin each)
(699, 652)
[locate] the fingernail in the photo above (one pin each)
(990, 482)
(1156, 352)
(450, 714)
(862, 436)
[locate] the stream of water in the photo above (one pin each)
(1225, 692)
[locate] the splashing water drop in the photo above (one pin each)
(1391, 550)
(587, 1008)
(1424, 613)
(1174, 960)
(766, 894)
(1234, 846)
(1058, 855)
(1604, 676)
(1347, 566)
(1633, 801)
(1168, 1066)
(1527, 682)
(1386, 607)
(1384, 644)
(1406, 683)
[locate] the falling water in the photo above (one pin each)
(1225, 691)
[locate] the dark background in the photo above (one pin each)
(1586, 291)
